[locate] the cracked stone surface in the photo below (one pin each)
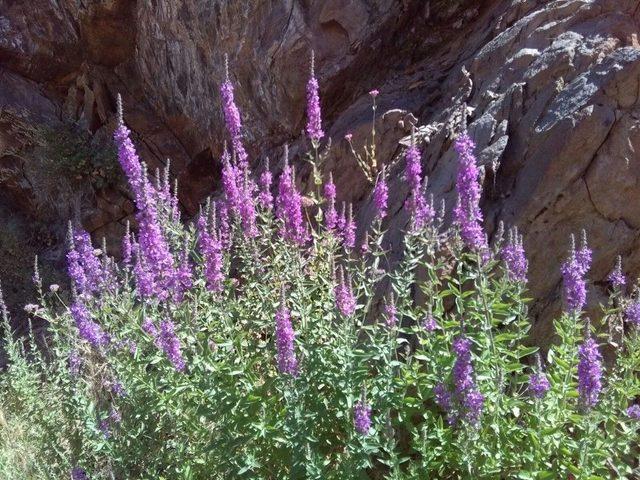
(552, 93)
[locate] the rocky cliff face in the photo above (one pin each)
(551, 90)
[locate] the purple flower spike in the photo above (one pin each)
(232, 120)
(413, 168)
(573, 271)
(538, 381)
(314, 119)
(345, 299)
(362, 417)
(633, 412)
(467, 395)
(390, 314)
(230, 182)
(170, 345)
(632, 313)
(289, 206)
(83, 265)
(381, 195)
(211, 248)
(78, 473)
(467, 213)
(285, 338)
(589, 371)
(429, 324)
(513, 256)
(349, 230)
(331, 214)
(88, 329)
(616, 278)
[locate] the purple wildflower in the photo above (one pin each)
(289, 206)
(429, 324)
(230, 182)
(374, 93)
(512, 254)
(115, 416)
(413, 168)
(616, 278)
(422, 210)
(343, 293)
(314, 120)
(362, 417)
(145, 284)
(127, 246)
(632, 313)
(573, 272)
(390, 314)
(331, 214)
(118, 389)
(211, 248)
(247, 207)
(88, 329)
(83, 265)
(78, 473)
(232, 120)
(149, 327)
(349, 230)
(104, 427)
(152, 244)
(589, 372)
(285, 337)
(633, 412)
(443, 397)
(183, 280)
(381, 195)
(467, 213)
(538, 384)
(467, 395)
(170, 344)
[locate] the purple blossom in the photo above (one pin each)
(633, 412)
(331, 214)
(374, 93)
(616, 278)
(589, 372)
(345, 299)
(413, 168)
(573, 272)
(78, 473)
(468, 397)
(285, 338)
(115, 416)
(349, 230)
(145, 284)
(443, 397)
(149, 327)
(170, 344)
(183, 280)
(233, 122)
(390, 314)
(127, 246)
(104, 427)
(118, 389)
(422, 211)
(289, 207)
(88, 329)
(467, 213)
(429, 324)
(362, 417)
(314, 120)
(513, 256)
(157, 261)
(632, 313)
(381, 196)
(230, 182)
(211, 248)
(538, 384)
(83, 265)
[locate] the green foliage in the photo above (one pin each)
(232, 415)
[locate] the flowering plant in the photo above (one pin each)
(252, 343)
